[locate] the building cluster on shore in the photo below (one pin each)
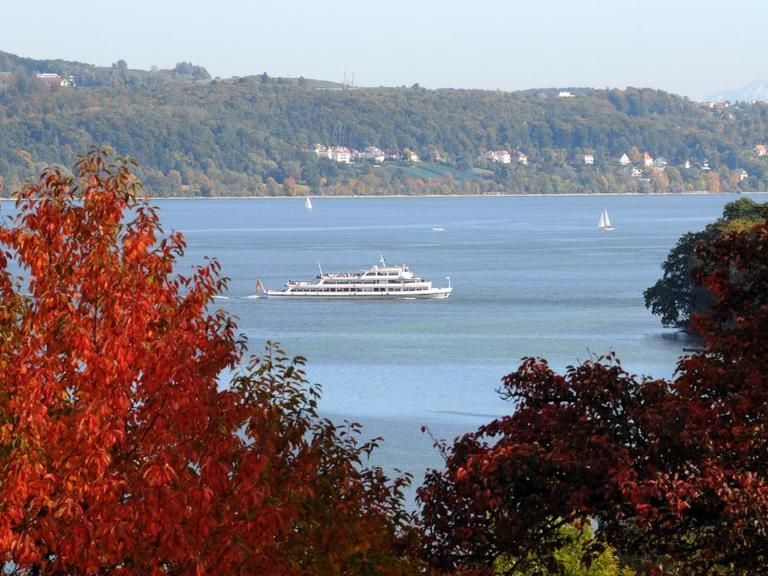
(637, 168)
(346, 155)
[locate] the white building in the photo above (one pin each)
(589, 159)
(624, 160)
(499, 156)
(341, 154)
(322, 151)
(53, 79)
(336, 153)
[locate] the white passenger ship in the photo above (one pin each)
(378, 282)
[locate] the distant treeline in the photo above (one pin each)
(195, 136)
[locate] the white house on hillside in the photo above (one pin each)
(337, 153)
(499, 156)
(341, 154)
(53, 79)
(589, 159)
(323, 151)
(624, 160)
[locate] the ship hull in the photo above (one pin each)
(434, 294)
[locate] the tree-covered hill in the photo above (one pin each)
(256, 135)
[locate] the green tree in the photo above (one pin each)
(192, 71)
(675, 297)
(579, 554)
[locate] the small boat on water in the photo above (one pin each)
(605, 221)
(308, 205)
(378, 282)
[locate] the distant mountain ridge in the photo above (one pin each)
(259, 135)
(756, 91)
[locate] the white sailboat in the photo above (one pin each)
(605, 221)
(308, 204)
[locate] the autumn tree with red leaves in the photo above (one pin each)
(121, 451)
(672, 473)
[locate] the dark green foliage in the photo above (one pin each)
(190, 70)
(675, 297)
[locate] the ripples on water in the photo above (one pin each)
(532, 276)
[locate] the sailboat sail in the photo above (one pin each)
(605, 221)
(308, 204)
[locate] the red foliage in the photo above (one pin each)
(119, 451)
(673, 473)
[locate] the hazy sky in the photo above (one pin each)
(686, 47)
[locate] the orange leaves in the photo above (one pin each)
(136, 245)
(118, 451)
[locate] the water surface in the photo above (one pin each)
(532, 276)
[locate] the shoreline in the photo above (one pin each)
(416, 196)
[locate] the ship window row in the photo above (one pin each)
(365, 290)
(376, 282)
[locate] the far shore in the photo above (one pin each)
(414, 196)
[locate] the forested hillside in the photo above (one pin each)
(256, 136)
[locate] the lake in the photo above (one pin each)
(532, 276)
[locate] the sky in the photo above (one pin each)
(694, 49)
